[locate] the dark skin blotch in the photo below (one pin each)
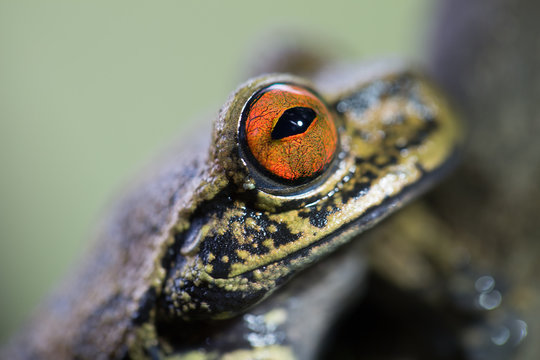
(318, 218)
(227, 245)
(146, 304)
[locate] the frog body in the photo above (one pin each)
(211, 233)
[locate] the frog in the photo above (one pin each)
(199, 258)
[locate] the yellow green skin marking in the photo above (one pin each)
(397, 136)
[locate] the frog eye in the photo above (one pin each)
(289, 132)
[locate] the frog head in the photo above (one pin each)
(295, 171)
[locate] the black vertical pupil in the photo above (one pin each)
(293, 121)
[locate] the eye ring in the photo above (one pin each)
(288, 137)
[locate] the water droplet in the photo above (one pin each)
(490, 301)
(484, 284)
(521, 329)
(500, 336)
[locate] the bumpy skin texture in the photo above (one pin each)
(249, 243)
(208, 237)
(94, 315)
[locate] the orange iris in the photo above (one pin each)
(290, 132)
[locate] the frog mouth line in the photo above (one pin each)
(368, 219)
(303, 257)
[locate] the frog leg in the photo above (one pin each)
(417, 253)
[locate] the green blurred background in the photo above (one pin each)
(90, 90)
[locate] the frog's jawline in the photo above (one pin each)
(231, 302)
(378, 212)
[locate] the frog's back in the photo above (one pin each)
(96, 313)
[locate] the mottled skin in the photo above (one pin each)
(249, 243)
(208, 237)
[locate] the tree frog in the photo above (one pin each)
(293, 169)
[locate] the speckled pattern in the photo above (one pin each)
(395, 133)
